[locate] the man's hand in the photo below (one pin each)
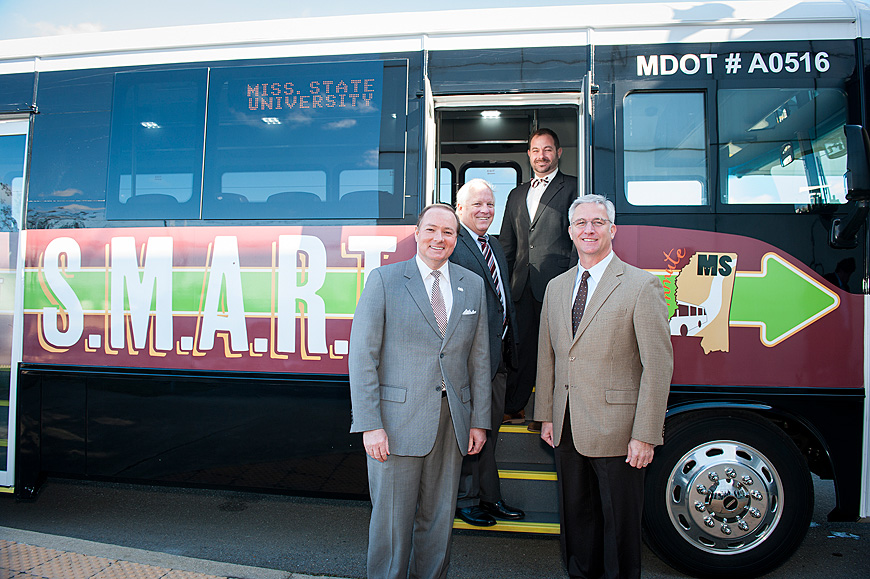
(547, 432)
(640, 454)
(376, 443)
(476, 438)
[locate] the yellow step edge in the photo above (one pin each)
(4, 403)
(517, 428)
(4, 442)
(9, 490)
(527, 474)
(512, 527)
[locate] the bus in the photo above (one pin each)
(189, 215)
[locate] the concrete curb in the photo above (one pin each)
(144, 557)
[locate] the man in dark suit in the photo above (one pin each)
(537, 250)
(420, 394)
(604, 372)
(479, 488)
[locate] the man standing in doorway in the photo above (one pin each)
(480, 501)
(604, 372)
(420, 395)
(537, 250)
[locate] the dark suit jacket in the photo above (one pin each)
(468, 255)
(538, 249)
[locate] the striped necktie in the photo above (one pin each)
(490, 261)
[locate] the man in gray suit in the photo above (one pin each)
(479, 487)
(604, 370)
(534, 242)
(419, 385)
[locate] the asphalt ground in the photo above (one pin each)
(251, 535)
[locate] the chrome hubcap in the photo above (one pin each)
(724, 497)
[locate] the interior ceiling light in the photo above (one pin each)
(490, 114)
(272, 120)
(150, 125)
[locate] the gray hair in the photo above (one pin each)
(598, 200)
(473, 185)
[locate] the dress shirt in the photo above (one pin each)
(595, 273)
(533, 197)
(443, 285)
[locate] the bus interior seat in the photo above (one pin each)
(294, 204)
(151, 201)
(365, 203)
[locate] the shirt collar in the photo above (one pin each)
(549, 176)
(473, 235)
(426, 270)
(597, 270)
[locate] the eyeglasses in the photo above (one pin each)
(596, 223)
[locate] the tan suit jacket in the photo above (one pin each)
(615, 373)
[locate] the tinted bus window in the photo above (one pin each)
(298, 142)
(665, 149)
(155, 165)
(782, 145)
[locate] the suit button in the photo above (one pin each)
(441, 355)
(566, 386)
(531, 247)
(532, 229)
(571, 359)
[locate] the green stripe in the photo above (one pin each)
(338, 291)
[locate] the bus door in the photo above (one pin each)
(13, 155)
(486, 136)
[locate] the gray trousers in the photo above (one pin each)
(413, 503)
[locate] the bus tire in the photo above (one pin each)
(726, 495)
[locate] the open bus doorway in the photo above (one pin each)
(490, 141)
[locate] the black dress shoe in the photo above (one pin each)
(475, 516)
(502, 511)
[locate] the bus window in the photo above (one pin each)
(446, 179)
(367, 193)
(782, 146)
(271, 129)
(665, 149)
(155, 163)
(502, 178)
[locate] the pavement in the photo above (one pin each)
(31, 555)
(100, 530)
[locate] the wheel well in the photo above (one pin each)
(808, 441)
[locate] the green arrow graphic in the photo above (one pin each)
(780, 300)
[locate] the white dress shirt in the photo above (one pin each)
(443, 285)
(595, 273)
(533, 197)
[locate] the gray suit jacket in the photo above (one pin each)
(398, 358)
(618, 367)
(538, 249)
(468, 255)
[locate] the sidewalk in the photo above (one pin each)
(30, 555)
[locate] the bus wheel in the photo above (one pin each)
(727, 495)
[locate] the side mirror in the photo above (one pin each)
(844, 232)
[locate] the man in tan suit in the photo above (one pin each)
(604, 370)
